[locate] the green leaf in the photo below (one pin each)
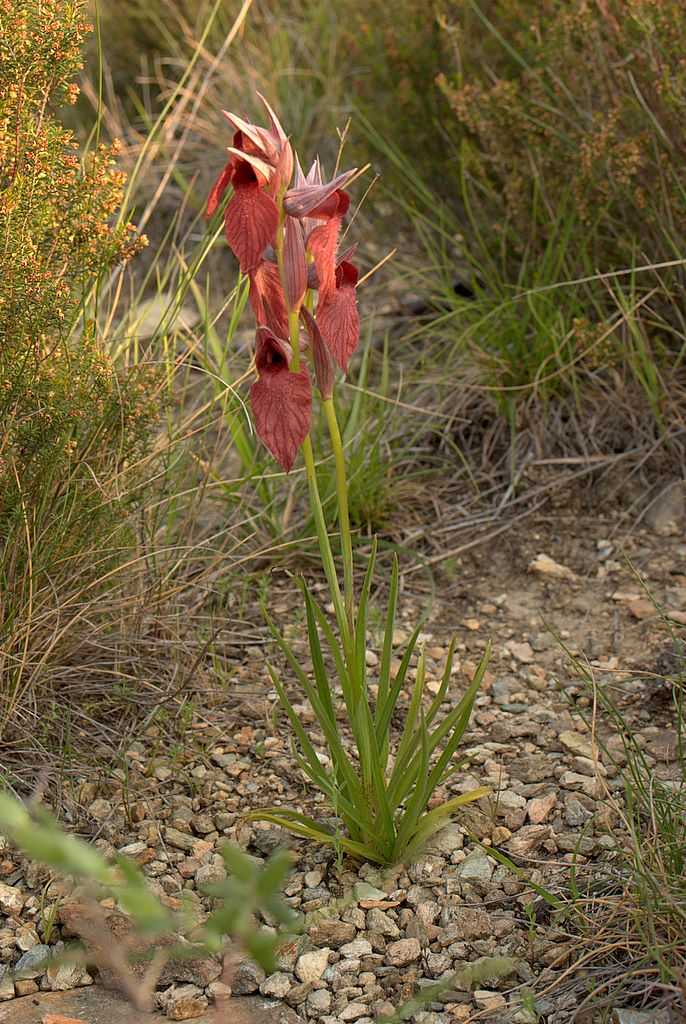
(316, 770)
(420, 795)
(318, 665)
(273, 875)
(361, 625)
(332, 642)
(386, 655)
(373, 779)
(433, 821)
(330, 730)
(309, 829)
(445, 681)
(384, 717)
(411, 736)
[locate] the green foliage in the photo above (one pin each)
(246, 890)
(572, 194)
(577, 103)
(380, 800)
(74, 425)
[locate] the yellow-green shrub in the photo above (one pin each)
(71, 422)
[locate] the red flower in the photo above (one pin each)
(250, 219)
(267, 298)
(337, 314)
(281, 400)
(259, 156)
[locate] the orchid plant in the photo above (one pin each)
(284, 228)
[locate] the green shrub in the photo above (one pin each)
(563, 102)
(564, 204)
(74, 426)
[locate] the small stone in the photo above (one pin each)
(299, 993)
(641, 609)
(133, 849)
(500, 835)
(371, 659)
(508, 800)
(626, 1016)
(26, 988)
(6, 984)
(57, 1018)
(185, 1002)
(447, 841)
(383, 1008)
(11, 900)
(247, 978)
(33, 963)
(527, 840)
(576, 743)
(544, 565)
(179, 840)
(217, 991)
(100, 809)
(380, 923)
(27, 937)
(470, 923)
(365, 891)
(475, 867)
(484, 999)
(666, 512)
(664, 746)
(203, 824)
(209, 874)
(403, 952)
(332, 933)
(539, 808)
(522, 652)
(358, 947)
(65, 977)
(318, 1002)
(591, 787)
(277, 985)
(353, 1011)
(311, 966)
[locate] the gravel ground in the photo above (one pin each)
(376, 938)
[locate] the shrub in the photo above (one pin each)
(74, 426)
(578, 103)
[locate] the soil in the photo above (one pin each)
(539, 737)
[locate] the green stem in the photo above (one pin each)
(293, 321)
(344, 612)
(343, 514)
(325, 550)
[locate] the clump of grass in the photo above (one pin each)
(633, 924)
(560, 360)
